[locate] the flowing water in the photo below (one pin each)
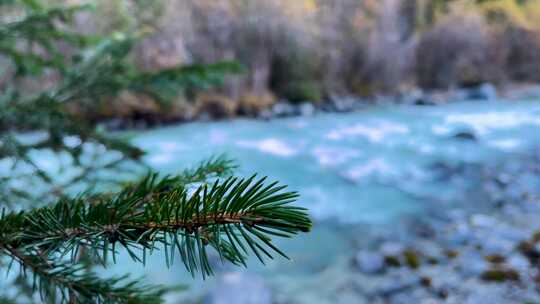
(370, 167)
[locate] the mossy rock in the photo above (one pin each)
(412, 258)
(426, 281)
(392, 261)
(432, 260)
(535, 237)
(528, 249)
(495, 258)
(500, 275)
(451, 254)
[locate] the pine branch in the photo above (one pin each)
(70, 283)
(230, 216)
(186, 215)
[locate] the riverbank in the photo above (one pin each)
(141, 113)
(485, 251)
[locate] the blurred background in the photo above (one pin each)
(410, 129)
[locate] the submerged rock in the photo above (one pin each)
(369, 262)
(465, 135)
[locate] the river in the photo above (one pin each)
(354, 171)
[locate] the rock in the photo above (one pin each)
(462, 234)
(114, 124)
(215, 106)
(412, 258)
(343, 104)
(239, 288)
(369, 262)
(518, 262)
(481, 220)
(530, 251)
(396, 284)
(495, 258)
(417, 97)
(486, 91)
(484, 293)
(465, 135)
(523, 93)
(425, 102)
(266, 114)
(391, 248)
(472, 264)
(500, 275)
(496, 245)
(282, 109)
(306, 109)
(392, 261)
(510, 234)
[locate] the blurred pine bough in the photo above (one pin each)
(52, 74)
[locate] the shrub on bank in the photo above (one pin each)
(252, 103)
(296, 76)
(523, 48)
(216, 106)
(456, 52)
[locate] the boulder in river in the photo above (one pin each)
(465, 135)
(306, 109)
(282, 109)
(369, 262)
(485, 91)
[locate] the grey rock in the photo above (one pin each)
(482, 293)
(472, 264)
(486, 91)
(391, 248)
(484, 221)
(344, 104)
(266, 114)
(417, 97)
(496, 245)
(518, 262)
(239, 288)
(510, 234)
(283, 109)
(529, 92)
(462, 234)
(369, 262)
(396, 284)
(114, 124)
(306, 109)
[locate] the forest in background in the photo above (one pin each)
(309, 50)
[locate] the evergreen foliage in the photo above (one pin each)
(55, 236)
